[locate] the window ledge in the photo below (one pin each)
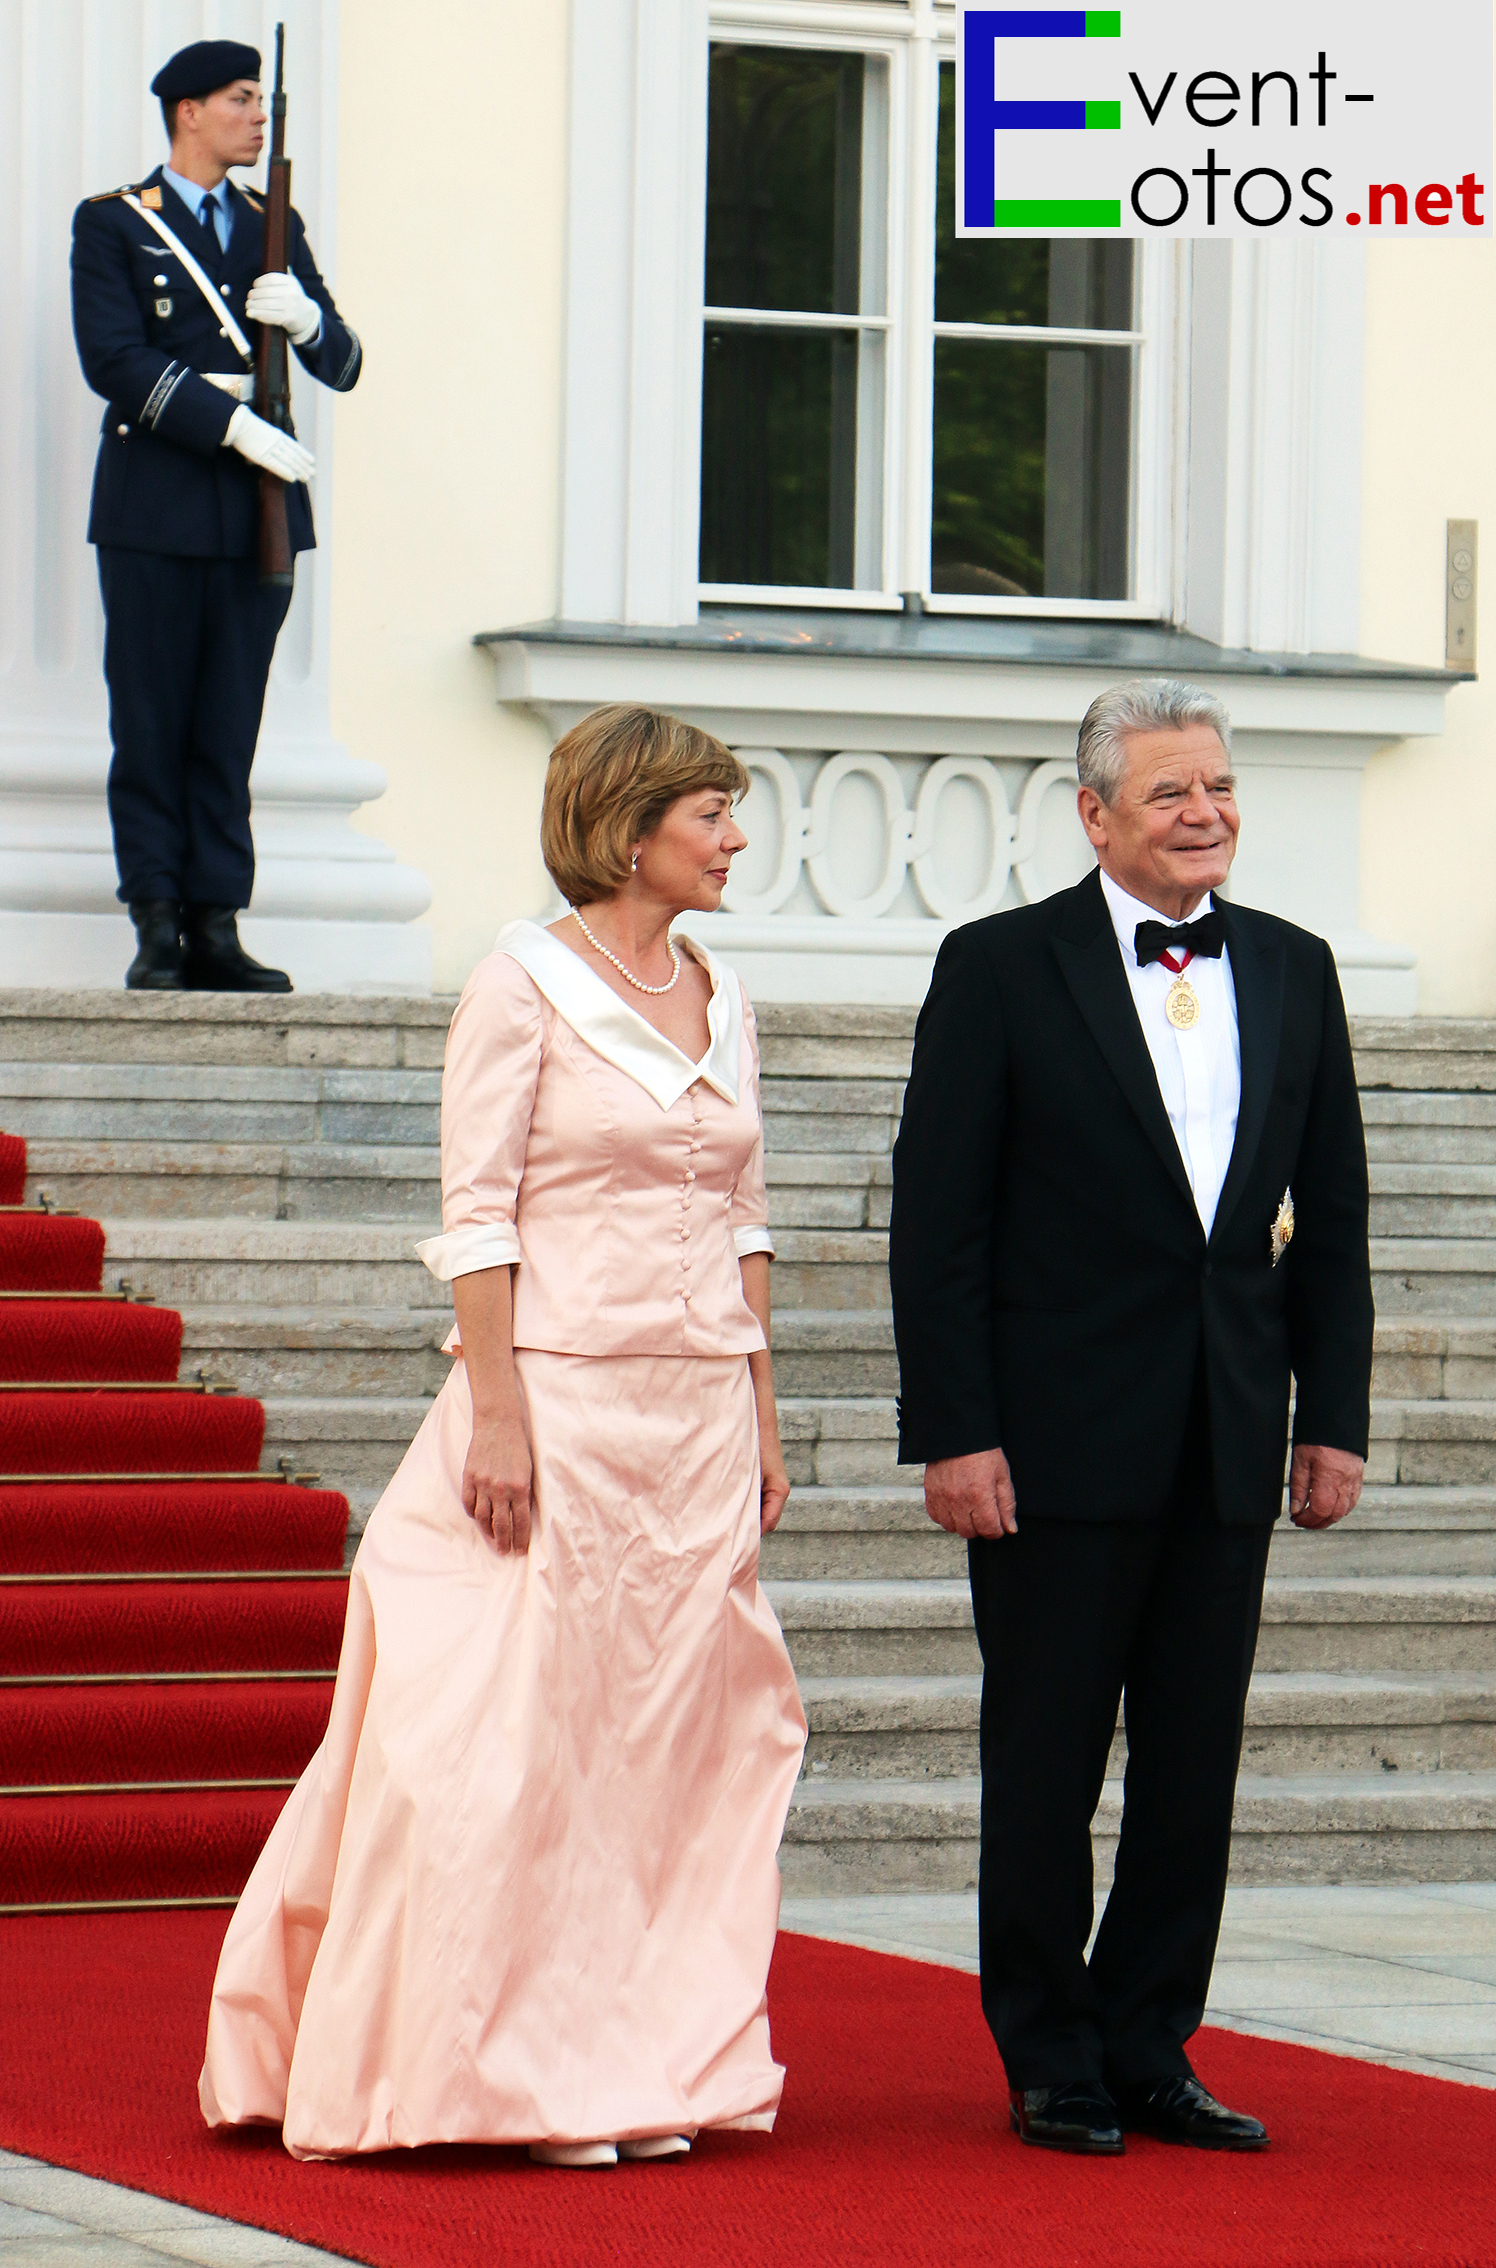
(950, 685)
(1151, 649)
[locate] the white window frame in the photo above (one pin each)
(749, 27)
(1247, 501)
(912, 50)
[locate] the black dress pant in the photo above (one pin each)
(187, 651)
(1071, 1617)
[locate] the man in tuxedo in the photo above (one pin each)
(1130, 1198)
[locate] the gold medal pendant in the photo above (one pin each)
(1182, 1004)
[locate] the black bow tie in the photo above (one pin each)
(1152, 939)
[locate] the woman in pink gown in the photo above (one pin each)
(526, 1890)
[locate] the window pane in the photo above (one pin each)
(1031, 458)
(1082, 283)
(779, 455)
(784, 179)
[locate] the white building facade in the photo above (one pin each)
(678, 389)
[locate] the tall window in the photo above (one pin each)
(1032, 435)
(1021, 486)
(794, 381)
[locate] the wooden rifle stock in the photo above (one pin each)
(272, 364)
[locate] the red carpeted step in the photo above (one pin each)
(153, 1843)
(12, 1169)
(157, 1527)
(71, 1735)
(123, 1629)
(129, 1433)
(116, 1339)
(39, 1252)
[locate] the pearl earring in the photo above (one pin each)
(636, 862)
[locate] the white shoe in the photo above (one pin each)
(657, 2146)
(574, 2153)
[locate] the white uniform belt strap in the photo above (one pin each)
(199, 276)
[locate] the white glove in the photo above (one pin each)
(279, 298)
(266, 446)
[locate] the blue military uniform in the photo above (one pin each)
(190, 629)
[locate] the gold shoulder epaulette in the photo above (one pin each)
(125, 189)
(251, 200)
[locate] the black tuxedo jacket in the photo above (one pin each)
(1053, 1287)
(163, 481)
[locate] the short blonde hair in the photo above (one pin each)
(610, 781)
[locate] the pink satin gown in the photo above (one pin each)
(527, 1890)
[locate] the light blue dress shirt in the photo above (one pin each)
(194, 196)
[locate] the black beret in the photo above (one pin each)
(204, 66)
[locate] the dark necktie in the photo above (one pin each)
(215, 221)
(1152, 939)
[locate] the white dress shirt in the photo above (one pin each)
(1199, 1070)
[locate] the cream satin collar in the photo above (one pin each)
(617, 1032)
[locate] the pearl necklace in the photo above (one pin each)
(637, 982)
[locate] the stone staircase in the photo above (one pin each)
(266, 1165)
(1370, 1749)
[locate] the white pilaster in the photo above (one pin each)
(333, 905)
(1277, 344)
(635, 246)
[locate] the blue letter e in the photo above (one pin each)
(978, 114)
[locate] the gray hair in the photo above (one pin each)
(1148, 704)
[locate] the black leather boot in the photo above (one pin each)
(157, 966)
(215, 959)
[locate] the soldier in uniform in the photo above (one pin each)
(167, 300)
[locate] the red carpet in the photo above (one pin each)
(200, 1729)
(107, 1846)
(164, 1644)
(39, 1252)
(78, 1339)
(891, 2149)
(177, 1625)
(129, 1433)
(110, 1528)
(12, 1169)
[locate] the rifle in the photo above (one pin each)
(272, 364)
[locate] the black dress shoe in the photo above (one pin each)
(157, 966)
(1178, 2109)
(216, 961)
(1081, 2117)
